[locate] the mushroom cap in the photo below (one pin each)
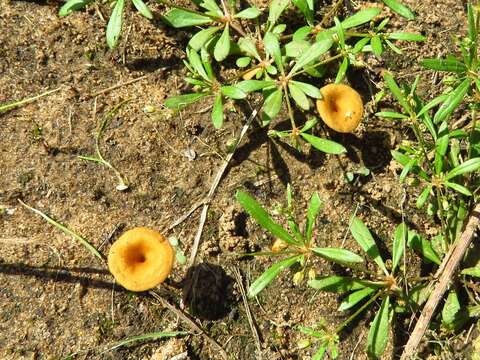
(140, 259)
(341, 107)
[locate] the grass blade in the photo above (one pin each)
(114, 26)
(271, 273)
(66, 230)
(399, 241)
(255, 210)
(364, 238)
(324, 145)
(453, 100)
(378, 335)
(400, 9)
(143, 9)
(340, 256)
(466, 167)
(313, 209)
(354, 298)
(222, 47)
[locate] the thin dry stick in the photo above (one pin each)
(239, 279)
(216, 181)
(451, 263)
(117, 86)
(190, 323)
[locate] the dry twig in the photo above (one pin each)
(192, 324)
(251, 322)
(449, 265)
(213, 188)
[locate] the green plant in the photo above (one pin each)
(445, 158)
(279, 66)
(114, 26)
(98, 157)
(388, 283)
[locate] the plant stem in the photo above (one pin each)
(323, 62)
(356, 313)
(289, 106)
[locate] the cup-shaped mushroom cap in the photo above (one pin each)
(341, 107)
(140, 259)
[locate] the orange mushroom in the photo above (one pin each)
(341, 107)
(140, 259)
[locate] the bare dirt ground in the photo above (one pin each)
(57, 301)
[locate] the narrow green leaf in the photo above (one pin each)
(394, 48)
(423, 197)
(309, 124)
(361, 17)
(247, 46)
(431, 104)
(212, 7)
(206, 62)
(275, 10)
(342, 71)
(340, 256)
(354, 298)
(243, 61)
(271, 273)
(400, 9)
(302, 33)
(399, 241)
(406, 36)
(450, 309)
(255, 210)
(296, 48)
(196, 63)
(472, 271)
(466, 167)
(452, 65)
(222, 47)
(405, 160)
(339, 284)
(392, 85)
(272, 47)
(273, 104)
(340, 32)
(452, 102)
(364, 238)
(179, 18)
(472, 26)
(376, 45)
(306, 9)
(391, 115)
(67, 231)
(180, 101)
(313, 209)
(308, 89)
(217, 112)
(114, 26)
(311, 54)
(324, 145)
(360, 44)
(299, 96)
(248, 86)
(233, 92)
(422, 246)
(143, 9)
(202, 37)
(248, 13)
(457, 187)
(71, 6)
(378, 334)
